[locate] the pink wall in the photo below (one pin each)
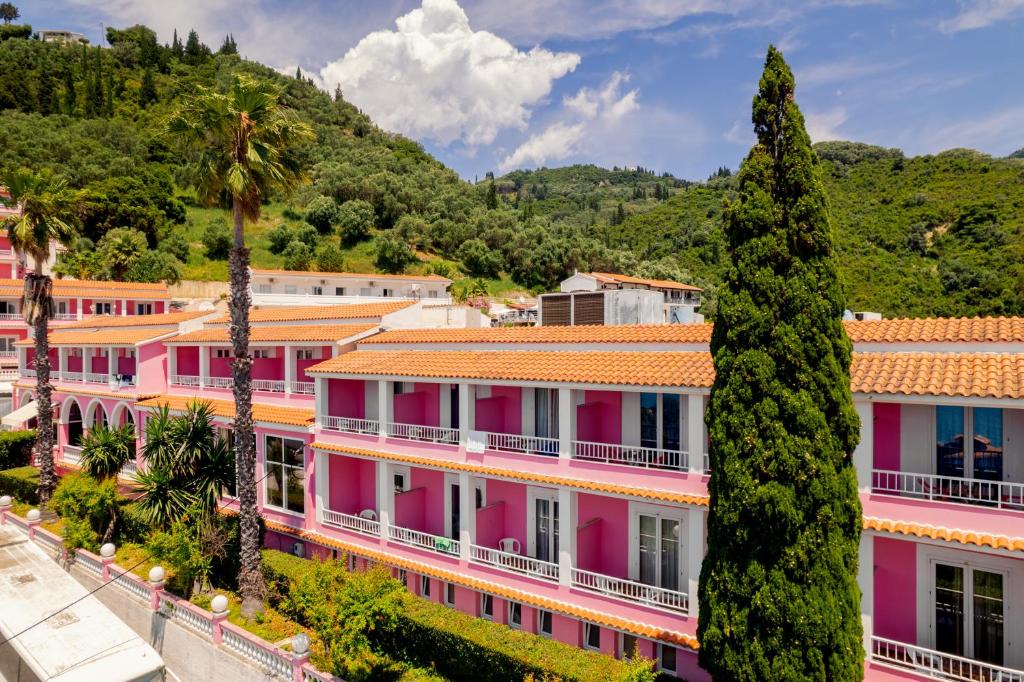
(567, 630)
(409, 512)
(887, 436)
(125, 365)
(74, 364)
(100, 362)
(420, 407)
(352, 484)
(599, 418)
(158, 307)
(467, 601)
(896, 589)
(502, 412)
(432, 483)
(346, 398)
(151, 372)
(302, 365)
(513, 510)
(601, 546)
(490, 524)
(271, 369)
(219, 367)
(188, 360)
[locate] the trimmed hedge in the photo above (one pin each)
(16, 448)
(459, 646)
(21, 483)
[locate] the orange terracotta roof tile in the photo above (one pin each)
(645, 493)
(320, 312)
(657, 283)
(643, 333)
(976, 375)
(284, 334)
(272, 414)
(103, 337)
(938, 330)
(107, 321)
(980, 375)
(64, 288)
(656, 368)
(947, 534)
(497, 589)
(66, 390)
(360, 275)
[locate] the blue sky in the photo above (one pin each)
(665, 84)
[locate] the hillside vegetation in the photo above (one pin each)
(925, 235)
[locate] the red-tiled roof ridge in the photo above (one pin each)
(341, 311)
(629, 279)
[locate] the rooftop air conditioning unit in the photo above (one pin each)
(271, 280)
(299, 549)
(323, 281)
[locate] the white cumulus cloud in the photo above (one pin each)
(980, 14)
(435, 77)
(824, 125)
(588, 115)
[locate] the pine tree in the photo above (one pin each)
(298, 73)
(195, 52)
(70, 100)
(147, 91)
(108, 101)
(778, 588)
(177, 50)
(492, 195)
(228, 46)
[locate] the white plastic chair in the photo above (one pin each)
(368, 514)
(510, 545)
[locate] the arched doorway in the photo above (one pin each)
(73, 418)
(96, 415)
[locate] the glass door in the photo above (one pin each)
(969, 610)
(987, 442)
(660, 551)
(949, 440)
(546, 528)
(453, 502)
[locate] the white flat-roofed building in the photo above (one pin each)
(294, 287)
(67, 37)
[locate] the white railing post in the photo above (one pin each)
(289, 369)
(172, 361)
(566, 422)
(866, 578)
(566, 535)
(385, 499)
(204, 366)
(62, 362)
(385, 405)
(111, 363)
(320, 400)
(467, 411)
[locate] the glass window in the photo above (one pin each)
(487, 606)
(629, 646)
(667, 658)
(290, 289)
(285, 476)
(339, 291)
(649, 420)
(545, 414)
(949, 609)
(424, 586)
(987, 439)
(659, 551)
(515, 614)
(318, 291)
(988, 616)
(591, 636)
(949, 440)
(403, 577)
(228, 436)
(449, 594)
(670, 421)
(544, 623)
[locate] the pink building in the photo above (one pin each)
(554, 479)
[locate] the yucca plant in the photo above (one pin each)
(106, 449)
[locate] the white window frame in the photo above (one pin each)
(102, 308)
(425, 586)
(143, 308)
(660, 659)
(511, 608)
(588, 629)
(304, 354)
(532, 495)
(540, 623)
(636, 509)
(660, 424)
(284, 476)
(625, 651)
(486, 599)
(262, 353)
(222, 353)
(339, 291)
(406, 473)
(1013, 586)
(316, 290)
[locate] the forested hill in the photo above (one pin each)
(927, 235)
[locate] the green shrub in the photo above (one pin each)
(329, 258)
(217, 239)
(16, 448)
(392, 255)
(280, 570)
(322, 213)
(87, 506)
(132, 525)
(297, 256)
(355, 218)
(21, 483)
(78, 533)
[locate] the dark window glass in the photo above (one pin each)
(949, 609)
(988, 617)
(670, 421)
(988, 443)
(949, 439)
(649, 420)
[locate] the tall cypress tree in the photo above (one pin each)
(778, 588)
(177, 49)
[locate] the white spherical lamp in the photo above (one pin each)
(107, 550)
(156, 574)
(219, 604)
(5, 501)
(33, 515)
(300, 644)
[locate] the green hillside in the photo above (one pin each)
(926, 235)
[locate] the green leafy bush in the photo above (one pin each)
(329, 258)
(21, 483)
(280, 570)
(478, 259)
(88, 508)
(217, 240)
(132, 525)
(323, 213)
(175, 244)
(355, 218)
(16, 448)
(297, 256)
(392, 255)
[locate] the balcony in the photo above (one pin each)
(356, 524)
(184, 380)
(219, 382)
(527, 445)
(26, 373)
(423, 434)
(351, 425)
(301, 387)
(998, 494)
(630, 455)
(514, 563)
(14, 317)
(74, 376)
(937, 665)
(268, 385)
(8, 354)
(630, 590)
(414, 538)
(96, 378)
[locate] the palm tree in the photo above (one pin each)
(187, 465)
(245, 144)
(106, 449)
(45, 204)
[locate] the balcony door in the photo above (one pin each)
(543, 525)
(969, 442)
(453, 503)
(545, 412)
(656, 546)
(968, 611)
(660, 421)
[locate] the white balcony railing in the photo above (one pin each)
(535, 568)
(999, 494)
(303, 387)
(350, 522)
(939, 666)
(219, 382)
(72, 455)
(184, 380)
(8, 374)
(12, 316)
(630, 455)
(96, 377)
(74, 376)
(351, 425)
(530, 445)
(629, 590)
(26, 372)
(65, 317)
(268, 385)
(415, 538)
(8, 354)
(430, 434)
